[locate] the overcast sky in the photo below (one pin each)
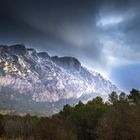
(103, 34)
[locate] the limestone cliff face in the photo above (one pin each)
(48, 79)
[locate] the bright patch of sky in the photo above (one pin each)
(109, 21)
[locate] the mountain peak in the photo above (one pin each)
(16, 49)
(43, 54)
(67, 62)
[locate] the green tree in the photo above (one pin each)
(113, 97)
(134, 96)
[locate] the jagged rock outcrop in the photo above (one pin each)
(67, 62)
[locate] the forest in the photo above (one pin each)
(116, 119)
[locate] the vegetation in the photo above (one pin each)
(116, 119)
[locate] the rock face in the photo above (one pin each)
(69, 63)
(48, 79)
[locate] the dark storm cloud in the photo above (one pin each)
(56, 23)
(101, 33)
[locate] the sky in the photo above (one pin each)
(102, 34)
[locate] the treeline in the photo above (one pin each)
(116, 119)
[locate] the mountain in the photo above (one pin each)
(35, 82)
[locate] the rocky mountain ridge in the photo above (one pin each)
(43, 78)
